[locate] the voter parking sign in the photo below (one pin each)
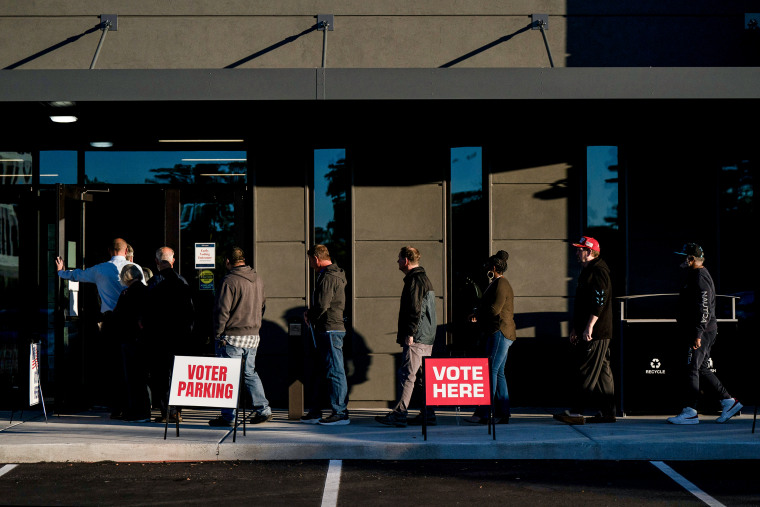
(205, 382)
(459, 381)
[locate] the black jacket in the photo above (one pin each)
(416, 315)
(593, 297)
(696, 304)
(329, 300)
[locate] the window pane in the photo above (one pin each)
(10, 321)
(161, 167)
(468, 243)
(15, 168)
(602, 187)
(58, 167)
(331, 215)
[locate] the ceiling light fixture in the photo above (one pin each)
(64, 119)
(101, 144)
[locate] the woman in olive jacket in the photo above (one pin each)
(495, 316)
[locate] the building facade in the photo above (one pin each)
(459, 129)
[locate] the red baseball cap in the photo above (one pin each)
(587, 242)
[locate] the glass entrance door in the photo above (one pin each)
(146, 217)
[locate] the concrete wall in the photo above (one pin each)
(432, 33)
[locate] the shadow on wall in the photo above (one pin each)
(283, 358)
(269, 49)
(52, 48)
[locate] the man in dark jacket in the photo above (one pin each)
(238, 314)
(590, 336)
(327, 331)
(416, 331)
(169, 323)
(698, 328)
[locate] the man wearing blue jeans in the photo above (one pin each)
(325, 341)
(238, 313)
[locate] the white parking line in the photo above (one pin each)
(332, 484)
(6, 469)
(687, 485)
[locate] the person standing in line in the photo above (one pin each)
(105, 275)
(416, 334)
(495, 317)
(130, 256)
(590, 336)
(238, 314)
(133, 395)
(698, 328)
(325, 319)
(169, 323)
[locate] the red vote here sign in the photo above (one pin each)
(457, 381)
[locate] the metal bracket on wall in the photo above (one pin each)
(108, 23)
(541, 22)
(325, 23)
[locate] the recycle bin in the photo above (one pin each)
(653, 358)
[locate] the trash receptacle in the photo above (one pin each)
(653, 358)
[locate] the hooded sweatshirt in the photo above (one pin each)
(329, 300)
(239, 308)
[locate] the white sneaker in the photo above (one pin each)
(687, 416)
(730, 407)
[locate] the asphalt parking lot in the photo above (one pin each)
(381, 482)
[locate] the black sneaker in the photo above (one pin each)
(311, 418)
(392, 418)
(261, 418)
(417, 420)
(335, 420)
(220, 422)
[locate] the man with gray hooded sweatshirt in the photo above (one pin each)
(238, 313)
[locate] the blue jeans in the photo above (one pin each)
(498, 348)
(250, 376)
(329, 348)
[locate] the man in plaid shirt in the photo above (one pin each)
(238, 313)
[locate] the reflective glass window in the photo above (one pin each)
(601, 187)
(10, 319)
(468, 242)
(165, 167)
(58, 167)
(332, 223)
(15, 168)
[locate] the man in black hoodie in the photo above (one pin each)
(590, 336)
(325, 319)
(238, 313)
(698, 328)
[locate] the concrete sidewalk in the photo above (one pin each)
(531, 434)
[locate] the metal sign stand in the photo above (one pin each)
(491, 408)
(237, 408)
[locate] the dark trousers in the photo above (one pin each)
(596, 386)
(699, 369)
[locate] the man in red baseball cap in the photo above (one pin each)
(590, 336)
